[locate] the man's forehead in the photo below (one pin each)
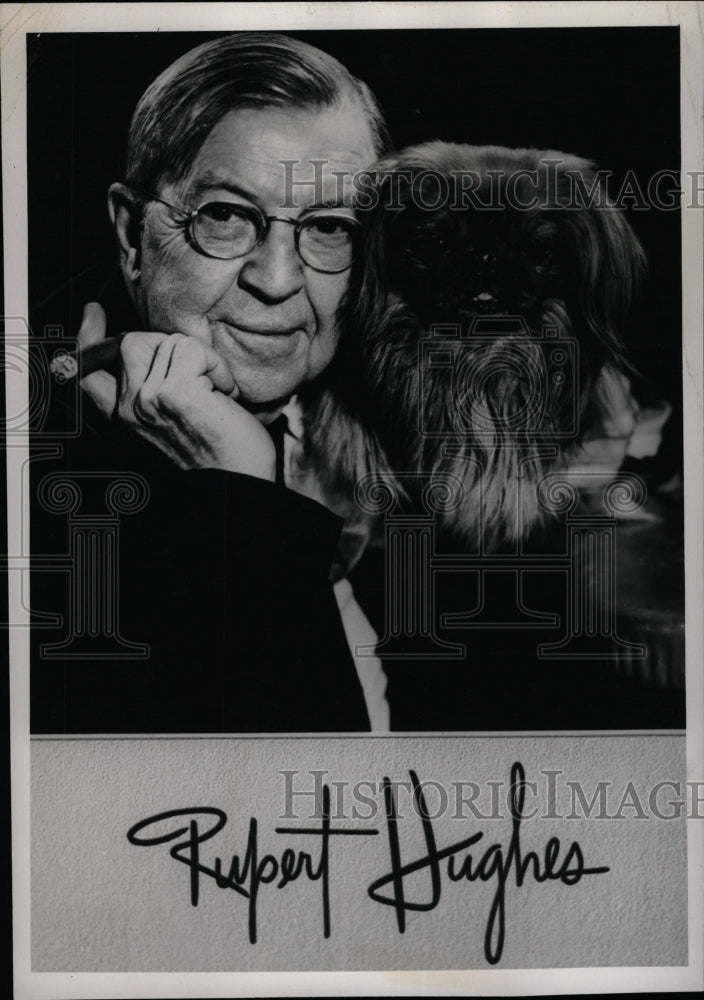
(261, 152)
(309, 181)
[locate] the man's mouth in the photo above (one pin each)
(265, 331)
(262, 343)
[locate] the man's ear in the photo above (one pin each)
(126, 216)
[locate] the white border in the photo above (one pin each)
(18, 19)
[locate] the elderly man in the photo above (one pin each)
(236, 235)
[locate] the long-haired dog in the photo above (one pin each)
(491, 309)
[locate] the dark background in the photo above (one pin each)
(609, 94)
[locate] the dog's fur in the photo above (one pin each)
(577, 269)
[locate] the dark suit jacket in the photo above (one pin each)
(223, 577)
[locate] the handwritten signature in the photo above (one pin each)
(187, 829)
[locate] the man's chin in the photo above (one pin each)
(262, 406)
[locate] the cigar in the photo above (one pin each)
(66, 365)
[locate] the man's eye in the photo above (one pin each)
(220, 222)
(328, 226)
(329, 230)
(220, 211)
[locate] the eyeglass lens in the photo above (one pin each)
(223, 230)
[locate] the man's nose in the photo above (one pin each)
(273, 271)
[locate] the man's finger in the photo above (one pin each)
(220, 375)
(102, 389)
(92, 329)
(192, 356)
(137, 352)
(161, 362)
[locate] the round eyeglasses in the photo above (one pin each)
(224, 230)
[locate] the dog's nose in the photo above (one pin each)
(482, 260)
(486, 261)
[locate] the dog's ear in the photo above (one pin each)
(384, 205)
(611, 266)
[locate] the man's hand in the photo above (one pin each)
(178, 393)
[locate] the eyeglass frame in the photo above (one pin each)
(264, 226)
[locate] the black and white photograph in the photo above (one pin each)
(497, 358)
(353, 437)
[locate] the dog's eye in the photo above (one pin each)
(432, 243)
(414, 259)
(426, 247)
(545, 261)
